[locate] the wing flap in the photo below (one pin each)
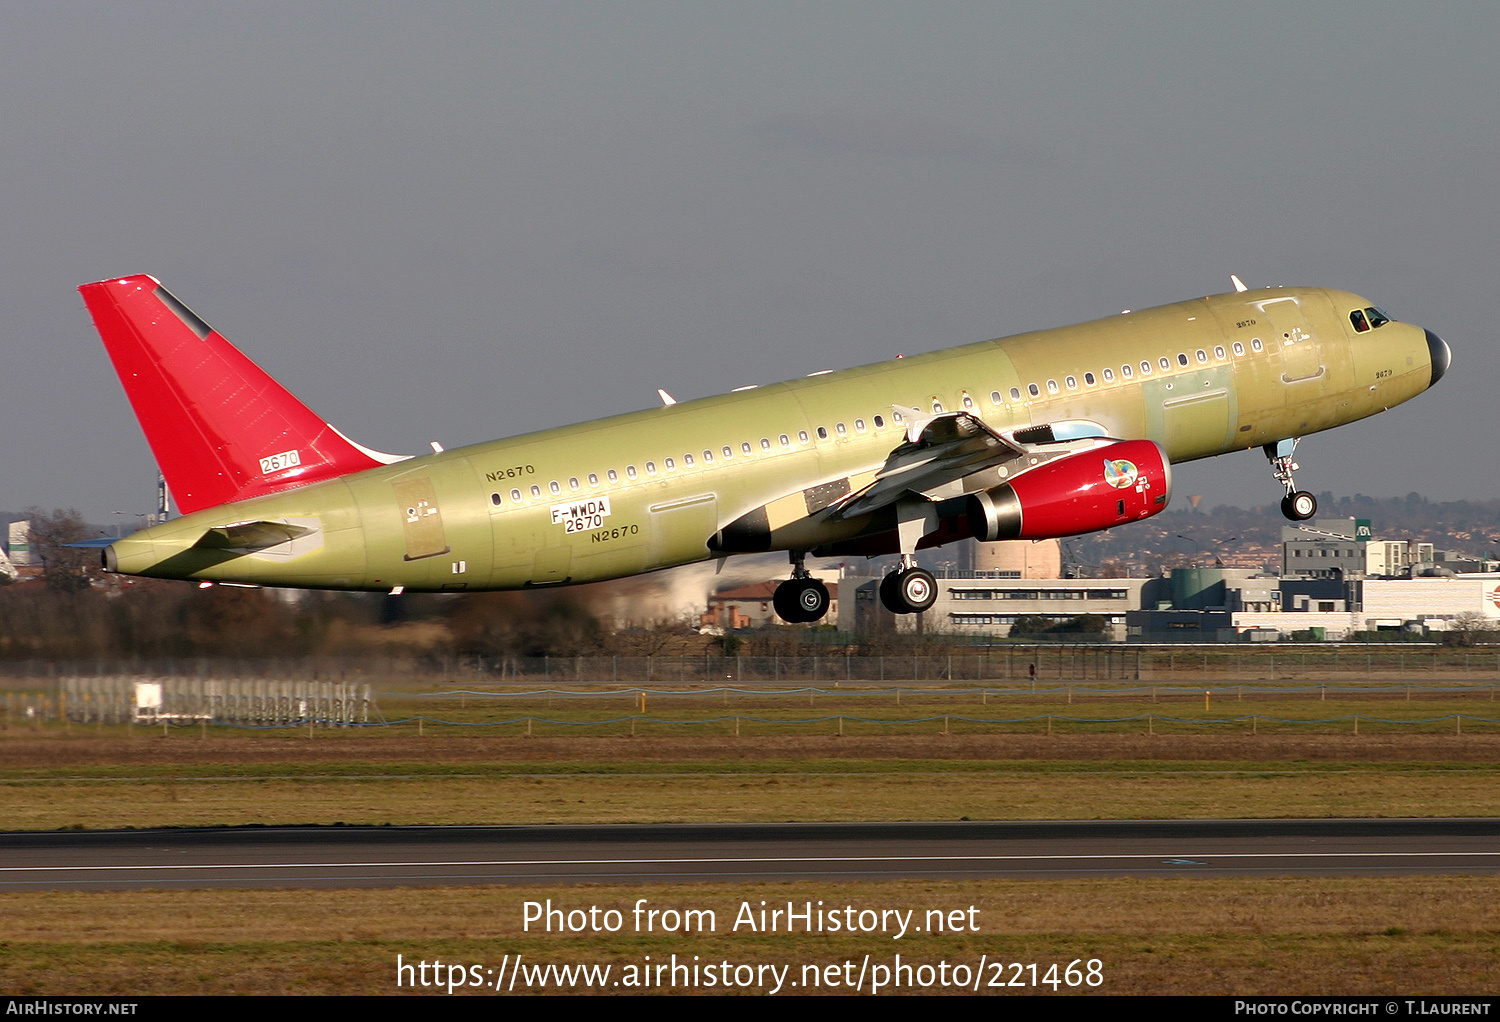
(939, 449)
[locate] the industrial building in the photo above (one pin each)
(1339, 580)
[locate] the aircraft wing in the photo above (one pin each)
(939, 449)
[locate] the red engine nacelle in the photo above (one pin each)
(1094, 489)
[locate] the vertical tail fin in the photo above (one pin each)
(221, 429)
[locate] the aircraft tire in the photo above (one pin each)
(801, 600)
(888, 597)
(908, 592)
(1299, 506)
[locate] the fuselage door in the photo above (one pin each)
(422, 521)
(680, 529)
(1291, 332)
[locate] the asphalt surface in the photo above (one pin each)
(332, 857)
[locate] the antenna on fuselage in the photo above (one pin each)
(666, 399)
(1239, 285)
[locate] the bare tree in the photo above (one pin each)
(66, 569)
(1467, 629)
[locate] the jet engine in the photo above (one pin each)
(1118, 482)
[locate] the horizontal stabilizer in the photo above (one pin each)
(93, 544)
(222, 430)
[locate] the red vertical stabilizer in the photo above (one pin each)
(221, 429)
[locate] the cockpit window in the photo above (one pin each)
(1377, 318)
(1357, 317)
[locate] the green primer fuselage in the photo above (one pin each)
(1261, 366)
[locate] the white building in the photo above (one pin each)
(991, 606)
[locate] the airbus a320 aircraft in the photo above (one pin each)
(1045, 434)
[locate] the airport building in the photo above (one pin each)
(984, 604)
(1346, 548)
(752, 607)
(1339, 580)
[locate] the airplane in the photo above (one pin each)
(1046, 434)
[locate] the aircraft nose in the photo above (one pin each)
(1437, 348)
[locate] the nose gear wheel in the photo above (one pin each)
(1297, 505)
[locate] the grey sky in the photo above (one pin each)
(458, 222)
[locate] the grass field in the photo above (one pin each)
(1179, 935)
(1306, 936)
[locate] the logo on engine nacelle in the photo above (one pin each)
(1120, 474)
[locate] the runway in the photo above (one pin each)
(334, 857)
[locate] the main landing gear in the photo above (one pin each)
(908, 590)
(1297, 505)
(801, 599)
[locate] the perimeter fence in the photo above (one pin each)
(1413, 706)
(1043, 663)
(964, 688)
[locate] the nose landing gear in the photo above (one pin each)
(1297, 505)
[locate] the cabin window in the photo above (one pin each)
(968, 401)
(515, 496)
(1165, 363)
(994, 397)
(1125, 371)
(1071, 382)
(651, 468)
(1239, 349)
(1219, 351)
(1255, 344)
(669, 463)
(822, 432)
(708, 457)
(554, 486)
(859, 425)
(1052, 386)
(802, 436)
(765, 443)
(1015, 393)
(1202, 356)
(1146, 368)
(786, 441)
(495, 499)
(1088, 378)
(573, 483)
(1033, 390)
(838, 428)
(1109, 376)
(687, 460)
(536, 491)
(593, 479)
(630, 471)
(613, 475)
(895, 416)
(728, 453)
(879, 422)
(1182, 358)
(745, 447)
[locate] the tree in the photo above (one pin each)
(65, 569)
(1467, 629)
